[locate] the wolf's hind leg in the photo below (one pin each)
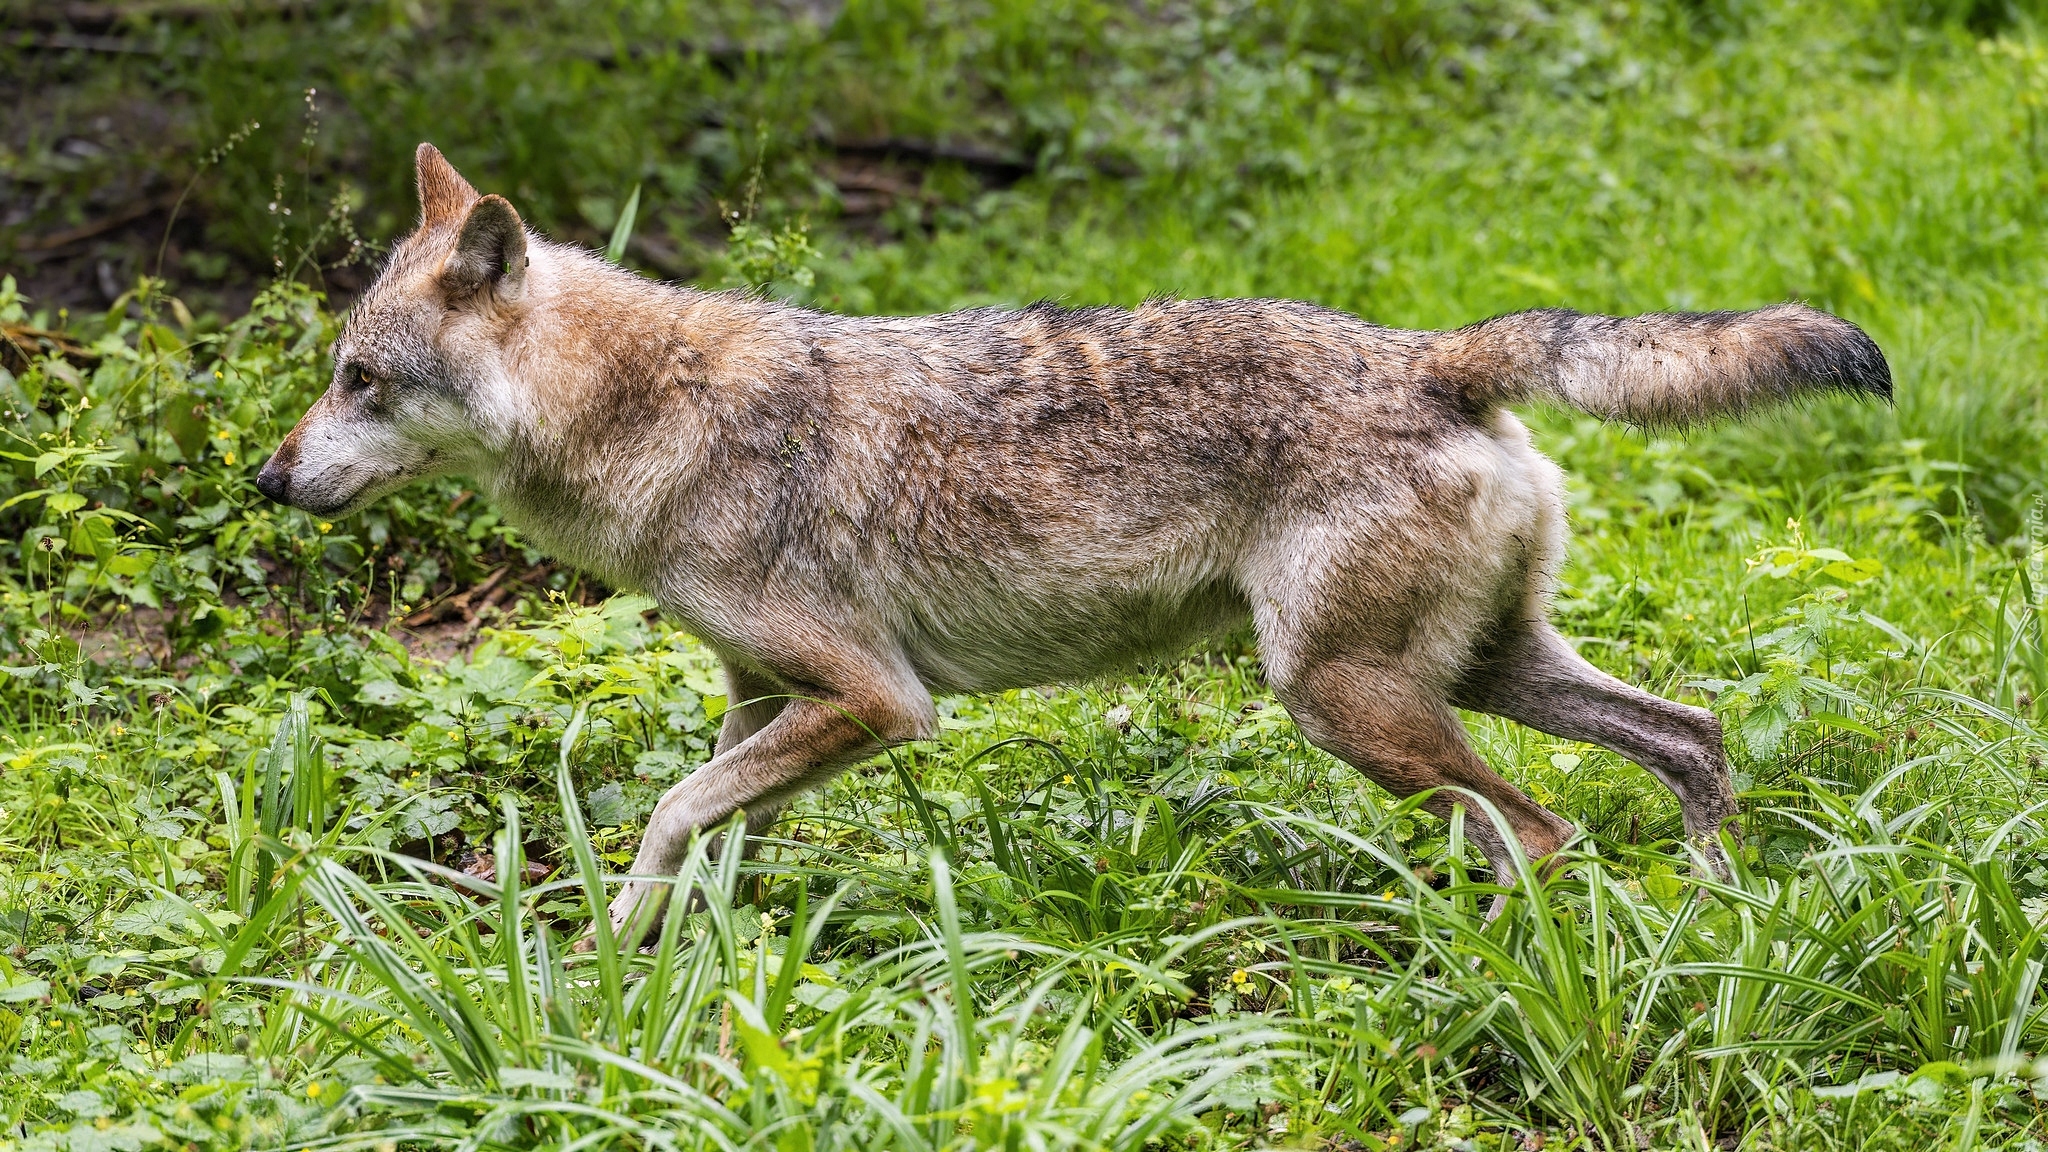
(1534, 677)
(1404, 738)
(805, 743)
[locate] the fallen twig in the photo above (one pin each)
(27, 342)
(91, 228)
(458, 604)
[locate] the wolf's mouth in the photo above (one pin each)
(362, 496)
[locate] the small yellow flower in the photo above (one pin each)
(228, 456)
(313, 1090)
(1240, 977)
(1067, 779)
(324, 526)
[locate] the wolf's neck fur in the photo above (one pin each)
(600, 404)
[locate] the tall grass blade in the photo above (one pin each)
(622, 232)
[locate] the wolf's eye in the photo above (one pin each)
(361, 378)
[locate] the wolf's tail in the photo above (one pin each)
(1662, 369)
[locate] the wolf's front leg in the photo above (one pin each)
(807, 743)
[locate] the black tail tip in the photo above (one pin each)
(1839, 355)
(1864, 368)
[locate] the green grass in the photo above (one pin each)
(235, 813)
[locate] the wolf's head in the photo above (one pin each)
(420, 384)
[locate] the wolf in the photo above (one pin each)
(856, 512)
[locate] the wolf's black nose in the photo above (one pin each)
(273, 481)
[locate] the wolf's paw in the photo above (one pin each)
(634, 913)
(1709, 859)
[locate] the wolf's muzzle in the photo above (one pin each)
(274, 482)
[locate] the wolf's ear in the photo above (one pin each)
(444, 194)
(490, 255)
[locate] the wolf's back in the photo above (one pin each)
(1660, 369)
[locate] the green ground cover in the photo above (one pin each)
(279, 869)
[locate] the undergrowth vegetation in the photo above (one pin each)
(299, 818)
